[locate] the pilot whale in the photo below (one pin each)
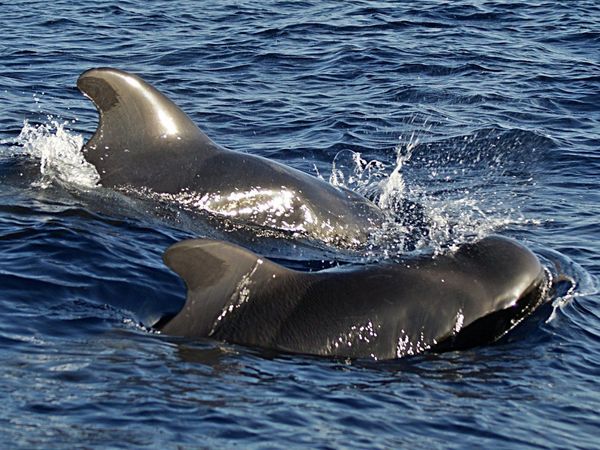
(145, 144)
(469, 297)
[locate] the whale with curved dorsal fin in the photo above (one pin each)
(145, 143)
(470, 297)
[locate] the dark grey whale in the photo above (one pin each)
(470, 297)
(145, 143)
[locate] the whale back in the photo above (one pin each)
(458, 300)
(470, 297)
(141, 133)
(146, 146)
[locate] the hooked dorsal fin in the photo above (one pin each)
(141, 133)
(215, 272)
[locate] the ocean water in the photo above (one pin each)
(485, 113)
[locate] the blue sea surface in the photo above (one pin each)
(486, 113)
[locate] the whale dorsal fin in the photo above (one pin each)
(141, 133)
(215, 273)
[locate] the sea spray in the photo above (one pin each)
(59, 152)
(433, 203)
(393, 187)
(351, 171)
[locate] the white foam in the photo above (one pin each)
(454, 207)
(455, 213)
(59, 151)
(393, 187)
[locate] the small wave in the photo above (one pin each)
(572, 279)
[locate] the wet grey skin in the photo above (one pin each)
(466, 298)
(146, 144)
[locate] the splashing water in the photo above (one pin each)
(59, 152)
(350, 170)
(393, 188)
(439, 208)
(419, 216)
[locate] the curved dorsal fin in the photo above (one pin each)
(141, 132)
(214, 273)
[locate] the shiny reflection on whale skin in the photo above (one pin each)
(458, 300)
(145, 143)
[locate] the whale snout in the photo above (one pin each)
(516, 282)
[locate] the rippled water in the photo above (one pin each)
(484, 113)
